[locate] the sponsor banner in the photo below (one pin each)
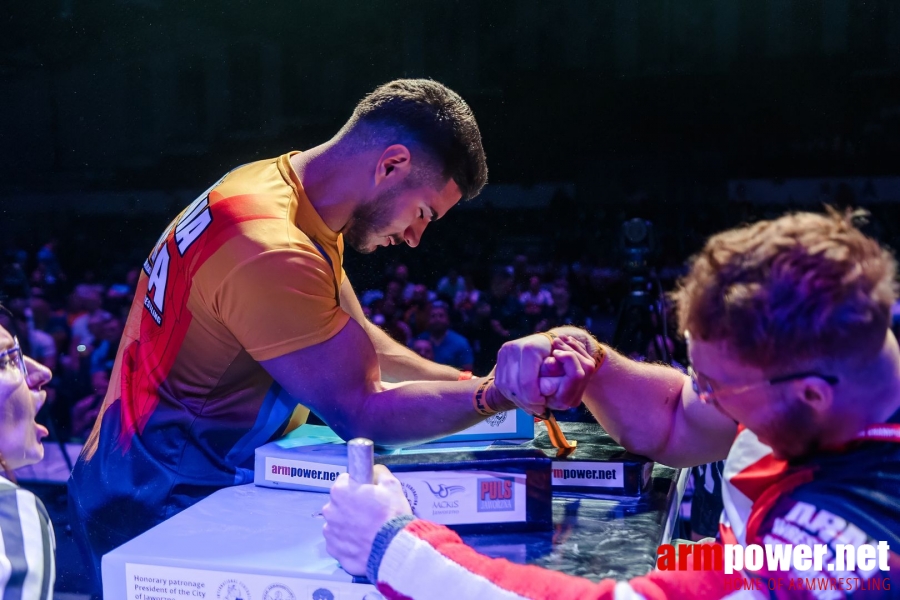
(467, 497)
(301, 472)
(587, 474)
(158, 582)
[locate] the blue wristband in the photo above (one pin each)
(382, 541)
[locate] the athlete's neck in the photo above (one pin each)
(872, 397)
(334, 185)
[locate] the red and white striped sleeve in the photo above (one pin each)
(413, 559)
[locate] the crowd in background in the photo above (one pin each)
(74, 327)
(456, 315)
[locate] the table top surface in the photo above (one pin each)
(596, 537)
(262, 530)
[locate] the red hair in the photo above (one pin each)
(793, 290)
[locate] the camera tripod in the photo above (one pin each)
(641, 320)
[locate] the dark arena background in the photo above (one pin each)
(619, 135)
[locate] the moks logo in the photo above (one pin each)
(496, 494)
(443, 491)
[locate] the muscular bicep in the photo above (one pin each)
(333, 378)
(700, 433)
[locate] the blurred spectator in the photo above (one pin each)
(48, 273)
(118, 300)
(597, 296)
(520, 268)
(450, 348)
(660, 349)
(84, 302)
(424, 348)
(85, 411)
(393, 325)
(394, 291)
(107, 330)
(563, 312)
(37, 344)
(401, 276)
(450, 285)
(14, 281)
(506, 311)
(467, 298)
(535, 294)
(419, 310)
(370, 296)
(481, 334)
(41, 311)
(536, 302)
(496, 319)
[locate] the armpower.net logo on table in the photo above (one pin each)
(583, 474)
(302, 473)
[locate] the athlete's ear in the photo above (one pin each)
(393, 166)
(815, 392)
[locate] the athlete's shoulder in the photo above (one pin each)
(860, 487)
(747, 453)
(253, 206)
(258, 177)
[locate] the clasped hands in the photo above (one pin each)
(539, 373)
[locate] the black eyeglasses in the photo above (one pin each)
(704, 388)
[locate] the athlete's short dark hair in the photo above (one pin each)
(437, 119)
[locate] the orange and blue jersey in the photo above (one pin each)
(246, 273)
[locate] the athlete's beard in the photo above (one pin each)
(369, 218)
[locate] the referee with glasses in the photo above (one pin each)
(27, 542)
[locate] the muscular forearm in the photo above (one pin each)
(414, 412)
(398, 363)
(635, 402)
(650, 409)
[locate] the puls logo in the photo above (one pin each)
(496, 494)
(232, 589)
(443, 491)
